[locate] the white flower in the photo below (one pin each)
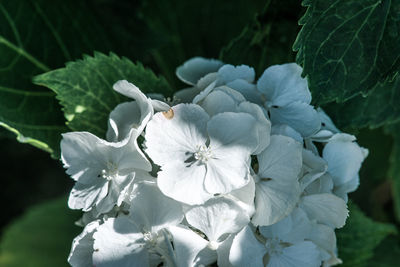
(129, 115)
(199, 156)
(196, 68)
(216, 219)
(281, 244)
(344, 157)
(288, 99)
(277, 186)
(100, 168)
(139, 239)
(82, 247)
(224, 99)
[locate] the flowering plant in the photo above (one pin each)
(230, 174)
(283, 150)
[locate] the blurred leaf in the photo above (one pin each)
(347, 46)
(42, 237)
(268, 39)
(194, 28)
(84, 88)
(394, 171)
(359, 237)
(373, 196)
(380, 107)
(386, 254)
(36, 36)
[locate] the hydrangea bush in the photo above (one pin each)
(232, 171)
(229, 162)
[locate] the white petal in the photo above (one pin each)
(195, 68)
(273, 162)
(326, 122)
(82, 154)
(118, 242)
(248, 90)
(344, 159)
(238, 97)
(244, 196)
(217, 217)
(153, 211)
(115, 189)
(229, 73)
(227, 173)
(283, 84)
(286, 130)
(159, 105)
(183, 183)
(323, 236)
(323, 184)
(313, 168)
(246, 250)
(206, 81)
(86, 156)
(325, 208)
(304, 254)
(85, 196)
(277, 188)
(263, 124)
(274, 201)
(348, 187)
(173, 137)
(300, 116)
(223, 252)
(186, 95)
(82, 247)
(123, 118)
(232, 132)
(292, 229)
(218, 102)
(187, 245)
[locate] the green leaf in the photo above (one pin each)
(347, 46)
(386, 254)
(36, 36)
(359, 237)
(373, 195)
(194, 28)
(84, 88)
(380, 107)
(394, 170)
(268, 39)
(41, 237)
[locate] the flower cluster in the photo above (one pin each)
(230, 171)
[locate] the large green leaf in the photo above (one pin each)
(268, 39)
(194, 28)
(84, 88)
(359, 237)
(36, 36)
(347, 46)
(380, 107)
(40, 238)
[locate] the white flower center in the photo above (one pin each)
(274, 246)
(110, 172)
(213, 245)
(151, 239)
(203, 153)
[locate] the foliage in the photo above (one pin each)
(84, 88)
(358, 238)
(348, 50)
(346, 47)
(41, 237)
